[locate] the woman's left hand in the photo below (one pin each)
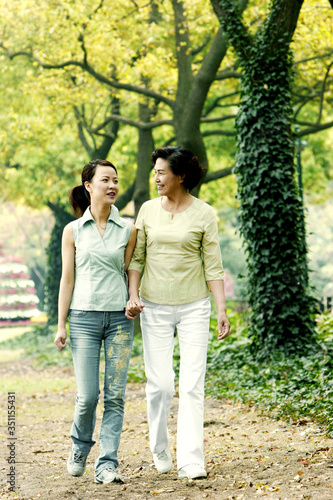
(133, 309)
(223, 325)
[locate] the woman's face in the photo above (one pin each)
(103, 187)
(166, 181)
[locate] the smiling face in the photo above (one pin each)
(166, 181)
(103, 187)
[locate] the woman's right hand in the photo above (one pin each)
(60, 339)
(133, 308)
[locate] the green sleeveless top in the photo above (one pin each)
(99, 283)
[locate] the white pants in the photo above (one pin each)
(158, 324)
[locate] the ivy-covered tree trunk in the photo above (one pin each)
(54, 264)
(271, 212)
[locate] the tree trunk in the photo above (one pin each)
(271, 212)
(145, 148)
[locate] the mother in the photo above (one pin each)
(179, 253)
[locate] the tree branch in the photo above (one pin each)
(240, 38)
(223, 75)
(214, 119)
(125, 197)
(132, 123)
(227, 133)
(322, 92)
(82, 135)
(216, 103)
(196, 51)
(314, 58)
(85, 66)
(217, 174)
(281, 24)
(313, 128)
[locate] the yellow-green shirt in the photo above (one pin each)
(178, 253)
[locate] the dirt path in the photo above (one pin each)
(247, 455)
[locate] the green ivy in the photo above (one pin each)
(271, 211)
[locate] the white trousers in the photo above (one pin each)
(158, 324)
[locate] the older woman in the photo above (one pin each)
(179, 253)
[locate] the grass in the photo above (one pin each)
(286, 387)
(31, 385)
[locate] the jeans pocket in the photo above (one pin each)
(77, 313)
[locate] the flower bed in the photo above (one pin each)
(18, 297)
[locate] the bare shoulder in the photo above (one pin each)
(67, 234)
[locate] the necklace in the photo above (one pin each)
(101, 226)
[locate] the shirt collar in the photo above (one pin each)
(114, 217)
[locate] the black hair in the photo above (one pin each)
(181, 161)
(79, 197)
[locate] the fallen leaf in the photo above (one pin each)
(42, 451)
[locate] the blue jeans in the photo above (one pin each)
(87, 330)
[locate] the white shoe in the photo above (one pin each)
(192, 471)
(108, 475)
(163, 461)
(76, 464)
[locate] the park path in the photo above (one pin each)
(247, 455)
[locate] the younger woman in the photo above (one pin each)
(96, 250)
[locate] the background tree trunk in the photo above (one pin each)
(145, 148)
(271, 212)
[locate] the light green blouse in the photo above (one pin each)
(99, 283)
(178, 254)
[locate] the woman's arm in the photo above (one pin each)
(66, 284)
(134, 305)
(130, 247)
(217, 289)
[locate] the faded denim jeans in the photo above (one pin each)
(87, 331)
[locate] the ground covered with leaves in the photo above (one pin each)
(247, 454)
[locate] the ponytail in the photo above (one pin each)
(79, 198)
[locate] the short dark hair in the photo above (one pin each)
(181, 162)
(79, 197)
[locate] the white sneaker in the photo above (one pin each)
(192, 471)
(108, 475)
(76, 464)
(163, 461)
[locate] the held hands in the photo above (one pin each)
(133, 308)
(60, 339)
(223, 325)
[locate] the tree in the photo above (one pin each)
(107, 79)
(271, 212)
(142, 60)
(107, 65)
